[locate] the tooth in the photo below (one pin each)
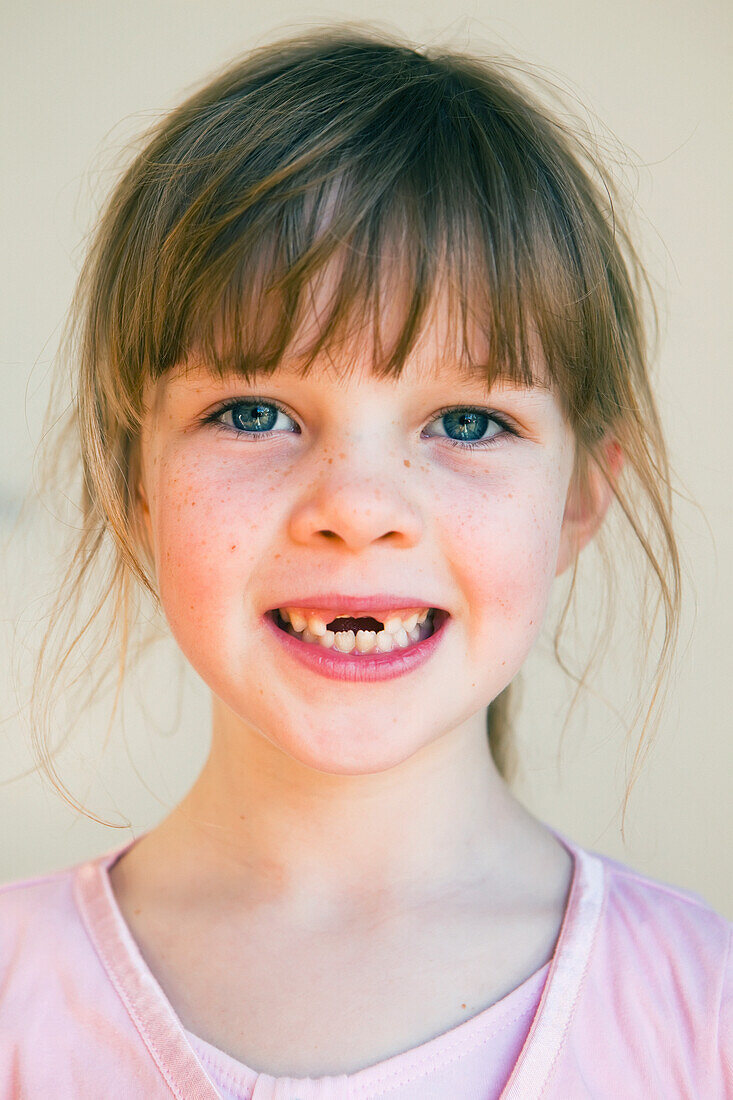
(398, 632)
(297, 618)
(345, 640)
(366, 640)
(317, 624)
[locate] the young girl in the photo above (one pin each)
(361, 369)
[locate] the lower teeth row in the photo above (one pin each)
(364, 642)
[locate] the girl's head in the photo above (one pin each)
(391, 255)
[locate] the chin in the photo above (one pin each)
(360, 753)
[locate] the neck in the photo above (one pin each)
(270, 826)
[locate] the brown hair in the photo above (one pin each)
(347, 144)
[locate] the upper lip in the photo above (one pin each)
(335, 600)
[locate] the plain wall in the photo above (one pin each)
(81, 79)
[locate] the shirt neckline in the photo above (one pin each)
(165, 1037)
(376, 1078)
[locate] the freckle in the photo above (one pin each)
(463, 1006)
(233, 547)
(407, 462)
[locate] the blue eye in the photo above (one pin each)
(256, 418)
(471, 424)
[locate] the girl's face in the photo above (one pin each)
(353, 485)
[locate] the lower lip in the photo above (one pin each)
(366, 667)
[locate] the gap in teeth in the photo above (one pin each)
(395, 635)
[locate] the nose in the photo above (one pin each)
(355, 512)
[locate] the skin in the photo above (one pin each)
(371, 813)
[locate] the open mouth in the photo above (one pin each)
(360, 636)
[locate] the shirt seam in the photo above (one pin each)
(571, 1014)
(448, 1046)
(454, 1052)
(391, 1079)
(127, 1001)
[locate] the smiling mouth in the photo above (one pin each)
(363, 635)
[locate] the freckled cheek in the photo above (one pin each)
(506, 547)
(211, 533)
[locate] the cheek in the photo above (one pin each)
(210, 531)
(504, 541)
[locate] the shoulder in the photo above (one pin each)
(65, 1028)
(647, 968)
(30, 905)
(658, 916)
(663, 950)
(45, 945)
(40, 927)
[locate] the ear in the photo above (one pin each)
(142, 526)
(589, 496)
(142, 506)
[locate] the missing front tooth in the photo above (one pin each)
(350, 622)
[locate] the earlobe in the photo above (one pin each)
(589, 497)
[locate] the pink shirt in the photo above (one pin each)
(636, 1002)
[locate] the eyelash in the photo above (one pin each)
(505, 425)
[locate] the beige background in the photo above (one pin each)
(82, 78)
